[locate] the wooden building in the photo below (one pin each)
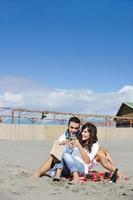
(126, 112)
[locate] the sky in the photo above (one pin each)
(71, 56)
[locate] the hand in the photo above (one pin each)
(65, 142)
(75, 142)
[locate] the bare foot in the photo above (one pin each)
(74, 182)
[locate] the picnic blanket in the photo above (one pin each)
(95, 176)
(99, 176)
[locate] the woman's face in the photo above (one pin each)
(85, 134)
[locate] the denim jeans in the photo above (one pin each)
(61, 165)
(73, 164)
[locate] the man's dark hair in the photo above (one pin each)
(74, 119)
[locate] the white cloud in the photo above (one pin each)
(19, 92)
(12, 97)
(9, 99)
(126, 89)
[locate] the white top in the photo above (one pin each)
(76, 154)
(92, 154)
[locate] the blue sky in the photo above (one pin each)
(79, 52)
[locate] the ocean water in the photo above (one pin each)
(37, 122)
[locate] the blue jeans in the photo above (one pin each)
(73, 164)
(61, 165)
(70, 162)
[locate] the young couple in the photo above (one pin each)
(81, 153)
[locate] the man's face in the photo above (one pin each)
(73, 127)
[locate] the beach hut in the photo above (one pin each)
(125, 110)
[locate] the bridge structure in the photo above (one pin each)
(30, 116)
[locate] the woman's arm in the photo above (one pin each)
(83, 153)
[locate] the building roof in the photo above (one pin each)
(126, 109)
(130, 104)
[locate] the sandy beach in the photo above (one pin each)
(18, 160)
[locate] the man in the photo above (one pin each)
(72, 131)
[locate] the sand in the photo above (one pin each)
(18, 160)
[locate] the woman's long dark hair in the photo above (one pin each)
(93, 135)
